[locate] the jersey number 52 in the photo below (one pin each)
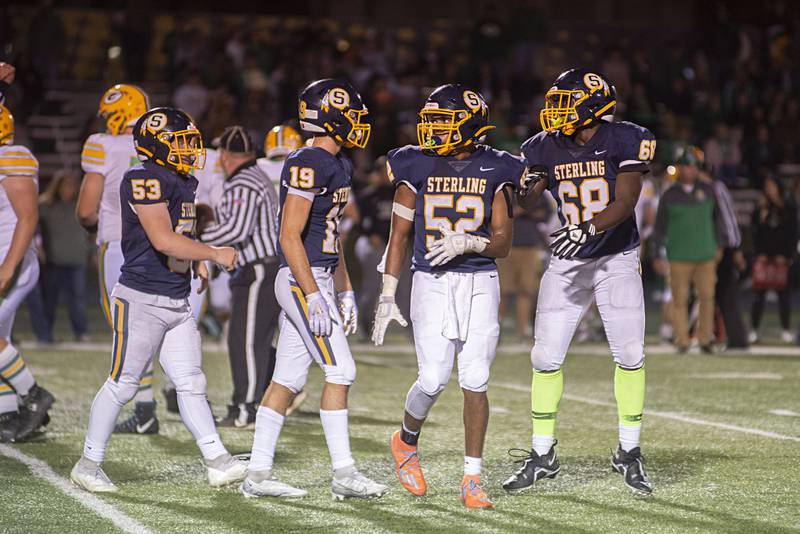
(468, 208)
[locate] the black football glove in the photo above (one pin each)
(569, 240)
(535, 174)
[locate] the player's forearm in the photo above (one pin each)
(615, 213)
(295, 254)
(396, 251)
(21, 239)
(529, 201)
(182, 248)
(341, 277)
(88, 218)
(499, 245)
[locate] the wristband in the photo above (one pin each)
(389, 287)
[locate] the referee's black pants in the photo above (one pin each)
(253, 321)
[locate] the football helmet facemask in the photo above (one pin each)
(280, 141)
(579, 98)
(6, 126)
(169, 137)
(453, 117)
(334, 108)
(121, 106)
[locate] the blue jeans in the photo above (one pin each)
(71, 281)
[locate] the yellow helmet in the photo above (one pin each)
(121, 106)
(280, 141)
(6, 126)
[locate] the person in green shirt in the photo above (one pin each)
(66, 251)
(688, 232)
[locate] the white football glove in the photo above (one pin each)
(386, 311)
(349, 311)
(570, 239)
(319, 314)
(453, 244)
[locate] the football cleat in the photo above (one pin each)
(630, 465)
(241, 416)
(406, 460)
(171, 400)
(90, 476)
(143, 420)
(225, 469)
(472, 496)
(35, 404)
(9, 426)
(354, 485)
(263, 484)
(534, 467)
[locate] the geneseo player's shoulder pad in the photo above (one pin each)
(635, 146)
(147, 184)
(17, 160)
(308, 168)
(410, 165)
(510, 168)
(94, 153)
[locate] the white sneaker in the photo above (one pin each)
(225, 469)
(752, 337)
(357, 486)
(269, 486)
(787, 336)
(90, 476)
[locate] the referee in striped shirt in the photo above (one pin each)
(246, 218)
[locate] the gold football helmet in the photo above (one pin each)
(121, 106)
(6, 126)
(280, 141)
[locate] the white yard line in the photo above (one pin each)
(665, 415)
(102, 508)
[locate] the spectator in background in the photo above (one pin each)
(774, 240)
(66, 251)
(722, 153)
(521, 270)
(192, 96)
(689, 225)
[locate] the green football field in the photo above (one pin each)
(721, 439)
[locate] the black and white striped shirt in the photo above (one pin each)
(247, 215)
(732, 236)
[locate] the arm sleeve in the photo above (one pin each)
(245, 202)
(636, 147)
(17, 160)
(93, 155)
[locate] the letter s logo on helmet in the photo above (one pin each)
(334, 108)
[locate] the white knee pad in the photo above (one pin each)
(631, 356)
(295, 383)
(474, 376)
(432, 380)
(544, 359)
(123, 391)
(191, 384)
(344, 372)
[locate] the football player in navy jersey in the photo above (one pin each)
(453, 198)
(593, 167)
(151, 312)
(314, 291)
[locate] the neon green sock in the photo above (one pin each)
(629, 392)
(546, 390)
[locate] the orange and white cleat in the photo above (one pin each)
(471, 493)
(406, 459)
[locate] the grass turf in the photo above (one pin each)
(706, 479)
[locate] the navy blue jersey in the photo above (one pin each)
(454, 192)
(583, 178)
(146, 269)
(325, 178)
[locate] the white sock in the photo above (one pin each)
(211, 446)
(265, 439)
(145, 391)
(542, 444)
(102, 418)
(14, 371)
(472, 466)
(629, 437)
(197, 417)
(334, 423)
